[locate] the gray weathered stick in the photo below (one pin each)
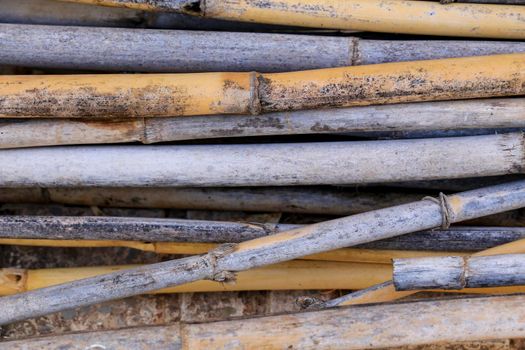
(429, 116)
(264, 164)
(355, 327)
(306, 200)
(220, 264)
(180, 230)
(133, 229)
(113, 49)
(173, 51)
(456, 272)
(137, 338)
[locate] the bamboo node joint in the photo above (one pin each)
(446, 217)
(211, 260)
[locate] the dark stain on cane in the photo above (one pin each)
(153, 100)
(354, 91)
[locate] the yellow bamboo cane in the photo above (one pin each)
(390, 16)
(373, 256)
(292, 275)
(163, 95)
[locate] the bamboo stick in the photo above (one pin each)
(146, 50)
(180, 236)
(51, 12)
(154, 231)
(372, 256)
(222, 263)
(408, 17)
(386, 291)
(458, 272)
(429, 116)
(370, 327)
(164, 95)
(292, 275)
(336, 163)
(133, 229)
(137, 338)
(306, 200)
(363, 327)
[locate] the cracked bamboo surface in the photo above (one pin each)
(336, 163)
(222, 263)
(483, 113)
(163, 95)
(146, 50)
(408, 17)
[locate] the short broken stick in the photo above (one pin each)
(458, 272)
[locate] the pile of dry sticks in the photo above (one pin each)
(373, 149)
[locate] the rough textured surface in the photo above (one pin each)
(414, 120)
(263, 164)
(454, 272)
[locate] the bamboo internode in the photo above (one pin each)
(456, 272)
(424, 116)
(408, 17)
(165, 95)
(146, 50)
(330, 163)
(221, 264)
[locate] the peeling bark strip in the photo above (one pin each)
(163, 95)
(288, 245)
(455, 272)
(355, 327)
(485, 113)
(144, 50)
(408, 17)
(264, 164)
